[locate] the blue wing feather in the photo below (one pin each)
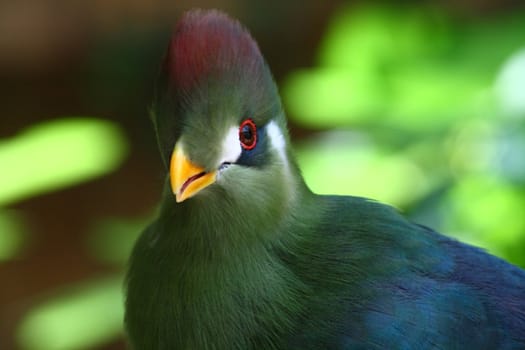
(411, 287)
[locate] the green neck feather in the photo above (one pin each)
(217, 260)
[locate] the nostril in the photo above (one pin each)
(224, 165)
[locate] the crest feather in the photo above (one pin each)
(208, 43)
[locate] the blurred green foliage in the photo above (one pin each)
(112, 239)
(12, 234)
(77, 318)
(44, 158)
(57, 154)
(434, 110)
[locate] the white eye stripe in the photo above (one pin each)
(277, 140)
(231, 148)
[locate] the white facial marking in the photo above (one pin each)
(231, 148)
(278, 143)
(277, 140)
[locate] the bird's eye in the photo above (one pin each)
(248, 134)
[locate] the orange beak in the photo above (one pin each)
(186, 178)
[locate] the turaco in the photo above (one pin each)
(244, 256)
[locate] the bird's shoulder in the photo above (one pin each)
(403, 285)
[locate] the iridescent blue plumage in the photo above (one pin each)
(412, 288)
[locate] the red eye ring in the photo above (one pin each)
(248, 134)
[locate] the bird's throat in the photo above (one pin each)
(207, 275)
(233, 297)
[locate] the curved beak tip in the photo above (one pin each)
(186, 178)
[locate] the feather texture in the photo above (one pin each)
(257, 261)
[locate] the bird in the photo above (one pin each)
(243, 255)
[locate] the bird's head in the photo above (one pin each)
(218, 115)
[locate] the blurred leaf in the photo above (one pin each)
(57, 154)
(403, 66)
(491, 147)
(428, 96)
(360, 55)
(80, 318)
(470, 146)
(483, 45)
(341, 164)
(368, 37)
(332, 97)
(510, 86)
(12, 234)
(507, 153)
(487, 211)
(113, 239)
